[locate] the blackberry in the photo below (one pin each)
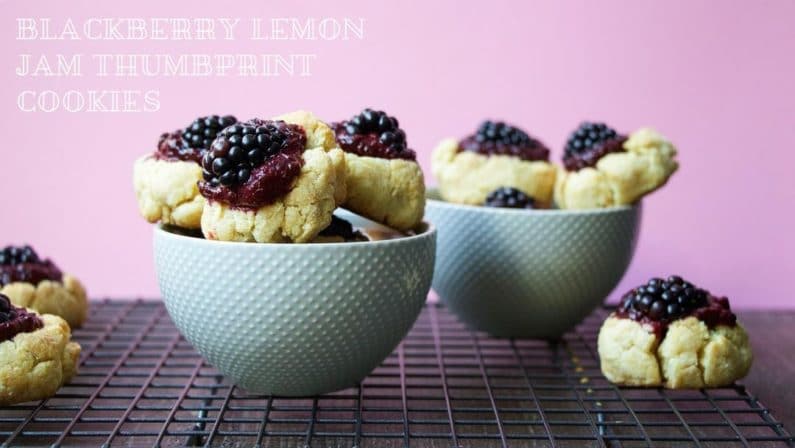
(663, 300)
(508, 197)
(499, 138)
(369, 121)
(373, 133)
(7, 310)
(15, 320)
(201, 133)
(22, 264)
(189, 144)
(499, 132)
(243, 147)
(588, 143)
(12, 255)
(338, 227)
(342, 228)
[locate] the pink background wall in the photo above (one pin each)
(717, 77)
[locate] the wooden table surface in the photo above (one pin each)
(772, 377)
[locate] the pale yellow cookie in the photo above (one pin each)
(66, 299)
(692, 356)
(320, 135)
(34, 365)
(619, 178)
(168, 192)
(467, 177)
(689, 356)
(627, 353)
(389, 191)
(303, 212)
(586, 188)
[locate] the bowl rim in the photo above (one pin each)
(428, 232)
(522, 211)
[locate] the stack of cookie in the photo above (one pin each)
(38, 304)
(280, 180)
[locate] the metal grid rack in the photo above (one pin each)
(141, 384)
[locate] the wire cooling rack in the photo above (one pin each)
(141, 384)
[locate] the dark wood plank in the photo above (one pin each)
(772, 375)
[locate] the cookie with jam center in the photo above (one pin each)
(32, 282)
(497, 156)
(36, 354)
(384, 181)
(272, 181)
(671, 333)
(603, 168)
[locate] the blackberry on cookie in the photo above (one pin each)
(507, 197)
(496, 155)
(670, 332)
(36, 355)
(271, 181)
(33, 282)
(604, 168)
(384, 181)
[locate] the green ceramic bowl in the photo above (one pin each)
(294, 319)
(529, 273)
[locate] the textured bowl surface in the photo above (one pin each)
(290, 319)
(529, 273)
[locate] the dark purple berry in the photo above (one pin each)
(373, 133)
(243, 175)
(387, 137)
(13, 255)
(657, 310)
(588, 143)
(203, 130)
(508, 197)
(22, 264)
(499, 138)
(14, 320)
(255, 156)
(342, 228)
(237, 154)
(663, 300)
(645, 302)
(220, 165)
(502, 133)
(228, 178)
(242, 147)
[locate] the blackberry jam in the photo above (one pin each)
(22, 264)
(662, 301)
(252, 164)
(498, 138)
(15, 320)
(373, 133)
(589, 143)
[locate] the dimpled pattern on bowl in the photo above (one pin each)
(294, 320)
(529, 273)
